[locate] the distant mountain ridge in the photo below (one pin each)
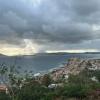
(2, 55)
(92, 52)
(58, 53)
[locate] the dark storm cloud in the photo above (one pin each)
(48, 21)
(85, 7)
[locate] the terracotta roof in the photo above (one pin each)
(3, 87)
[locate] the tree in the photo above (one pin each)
(46, 80)
(8, 76)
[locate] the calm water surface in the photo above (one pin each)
(39, 63)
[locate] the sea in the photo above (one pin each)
(42, 62)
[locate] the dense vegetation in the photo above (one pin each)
(76, 87)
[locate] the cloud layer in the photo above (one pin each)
(70, 23)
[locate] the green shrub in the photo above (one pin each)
(74, 90)
(3, 96)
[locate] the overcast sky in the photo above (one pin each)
(31, 26)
